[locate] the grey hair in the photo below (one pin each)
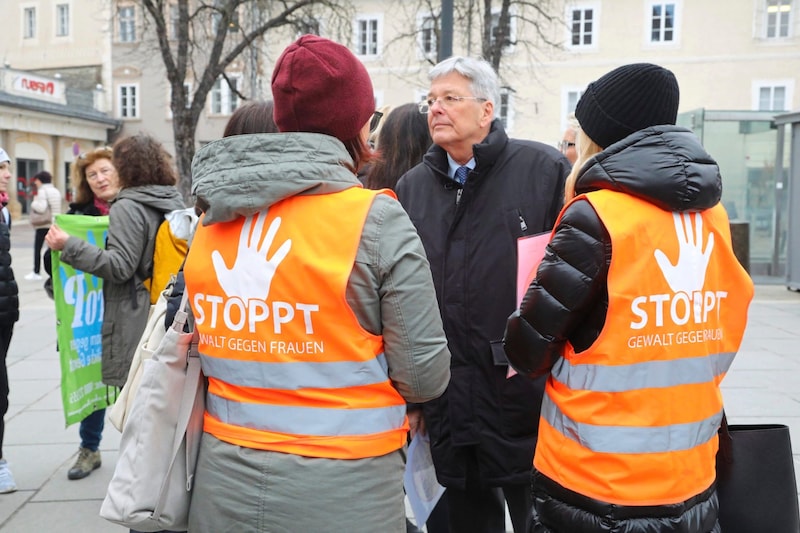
(483, 79)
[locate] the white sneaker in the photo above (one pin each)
(33, 276)
(7, 483)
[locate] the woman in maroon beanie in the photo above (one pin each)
(316, 313)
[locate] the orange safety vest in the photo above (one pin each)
(633, 419)
(289, 367)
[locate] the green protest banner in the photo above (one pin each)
(79, 319)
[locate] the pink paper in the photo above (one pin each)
(530, 251)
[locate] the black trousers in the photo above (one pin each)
(478, 509)
(5, 340)
(38, 242)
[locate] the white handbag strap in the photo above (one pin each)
(191, 388)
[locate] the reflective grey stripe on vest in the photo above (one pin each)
(323, 422)
(631, 439)
(293, 376)
(650, 374)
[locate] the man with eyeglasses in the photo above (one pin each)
(567, 144)
(473, 195)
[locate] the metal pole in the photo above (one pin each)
(446, 44)
(779, 194)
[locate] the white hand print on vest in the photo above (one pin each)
(689, 273)
(252, 272)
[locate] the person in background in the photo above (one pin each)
(254, 116)
(375, 125)
(340, 326)
(567, 144)
(9, 314)
(138, 180)
(640, 260)
(46, 195)
(4, 213)
(96, 185)
(402, 141)
(474, 194)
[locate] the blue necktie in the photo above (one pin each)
(461, 174)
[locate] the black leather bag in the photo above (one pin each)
(755, 479)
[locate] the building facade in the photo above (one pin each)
(741, 55)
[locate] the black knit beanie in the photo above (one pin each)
(628, 99)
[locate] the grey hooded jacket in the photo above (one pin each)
(390, 291)
(124, 264)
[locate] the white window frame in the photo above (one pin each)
(786, 84)
(512, 28)
(594, 7)
(127, 110)
(426, 36)
(789, 5)
(506, 117)
(420, 95)
(187, 88)
(29, 22)
(126, 27)
(676, 23)
(172, 21)
(228, 100)
(63, 19)
(570, 94)
(365, 50)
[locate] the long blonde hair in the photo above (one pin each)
(586, 149)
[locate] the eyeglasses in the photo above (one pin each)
(565, 145)
(104, 172)
(375, 121)
(446, 102)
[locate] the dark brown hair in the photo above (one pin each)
(361, 152)
(142, 160)
(43, 176)
(251, 117)
(402, 142)
(83, 193)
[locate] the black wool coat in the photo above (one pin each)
(470, 237)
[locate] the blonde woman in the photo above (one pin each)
(635, 315)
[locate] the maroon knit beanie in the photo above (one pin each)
(319, 86)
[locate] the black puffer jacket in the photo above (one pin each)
(667, 166)
(515, 189)
(9, 293)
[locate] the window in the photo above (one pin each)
(773, 95)
(224, 100)
(187, 98)
(426, 35)
(367, 35)
(582, 27)
(508, 34)
(772, 99)
(128, 101)
(216, 18)
(571, 97)
(29, 23)
(662, 23)
(62, 20)
(778, 12)
(309, 25)
(504, 110)
(127, 24)
(174, 17)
